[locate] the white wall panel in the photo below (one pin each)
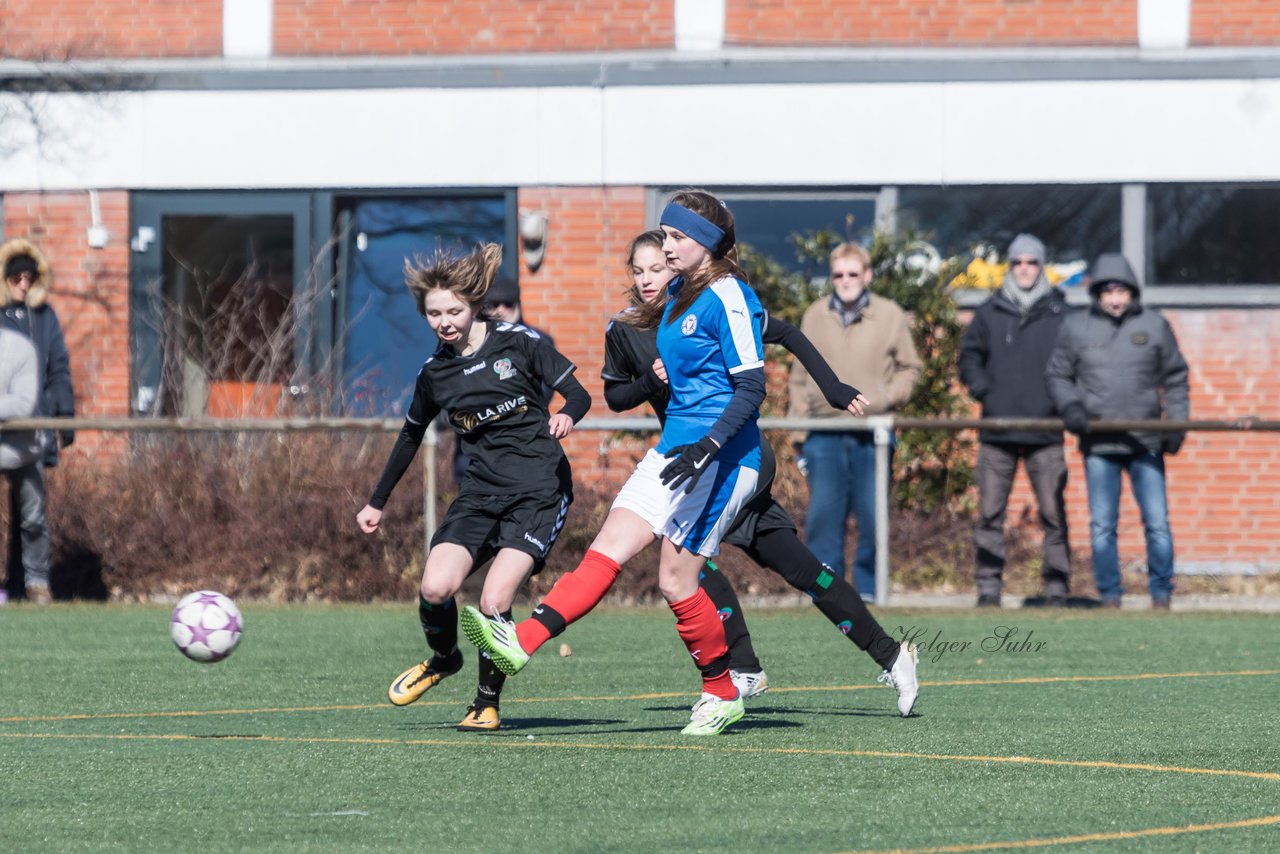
(926, 133)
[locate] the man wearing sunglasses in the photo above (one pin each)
(866, 338)
(25, 309)
(1002, 359)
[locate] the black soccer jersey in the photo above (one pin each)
(493, 401)
(630, 352)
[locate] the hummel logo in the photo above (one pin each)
(536, 542)
(471, 370)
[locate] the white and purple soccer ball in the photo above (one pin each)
(206, 626)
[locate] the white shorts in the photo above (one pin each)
(696, 520)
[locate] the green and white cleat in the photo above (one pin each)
(495, 636)
(712, 715)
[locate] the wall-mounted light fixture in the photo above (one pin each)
(533, 238)
(98, 236)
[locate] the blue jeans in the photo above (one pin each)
(1146, 476)
(842, 480)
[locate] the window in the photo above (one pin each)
(1076, 222)
(383, 340)
(767, 222)
(1212, 234)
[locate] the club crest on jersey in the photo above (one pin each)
(503, 369)
(689, 325)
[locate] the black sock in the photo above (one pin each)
(742, 655)
(440, 625)
(489, 685)
(551, 619)
(781, 551)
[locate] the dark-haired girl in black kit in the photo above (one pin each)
(488, 378)
(633, 374)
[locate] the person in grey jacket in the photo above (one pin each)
(1119, 360)
(20, 449)
(1002, 359)
(25, 309)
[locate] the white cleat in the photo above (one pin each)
(749, 684)
(902, 677)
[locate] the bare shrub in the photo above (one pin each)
(269, 516)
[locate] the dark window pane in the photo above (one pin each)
(767, 223)
(229, 336)
(386, 340)
(1076, 222)
(1213, 234)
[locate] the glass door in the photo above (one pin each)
(221, 302)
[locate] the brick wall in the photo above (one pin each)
(117, 29)
(1222, 504)
(90, 293)
(396, 27)
(83, 29)
(574, 293)
(939, 23)
(1235, 22)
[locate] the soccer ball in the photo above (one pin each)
(206, 626)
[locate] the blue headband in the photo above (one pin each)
(699, 228)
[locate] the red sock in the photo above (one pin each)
(575, 594)
(700, 628)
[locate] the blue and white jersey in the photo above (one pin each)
(717, 336)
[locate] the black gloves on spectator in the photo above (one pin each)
(689, 463)
(1076, 419)
(1172, 442)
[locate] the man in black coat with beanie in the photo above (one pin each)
(1002, 361)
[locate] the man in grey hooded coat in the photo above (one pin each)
(1118, 360)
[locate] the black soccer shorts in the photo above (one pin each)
(527, 521)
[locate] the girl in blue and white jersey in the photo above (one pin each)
(688, 490)
(634, 374)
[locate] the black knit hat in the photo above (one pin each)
(504, 289)
(19, 264)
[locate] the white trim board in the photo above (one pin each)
(829, 134)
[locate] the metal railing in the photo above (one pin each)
(882, 428)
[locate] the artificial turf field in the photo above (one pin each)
(1121, 732)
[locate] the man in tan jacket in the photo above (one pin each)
(867, 340)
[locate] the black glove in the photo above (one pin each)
(689, 463)
(1076, 419)
(842, 395)
(1172, 442)
(66, 437)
